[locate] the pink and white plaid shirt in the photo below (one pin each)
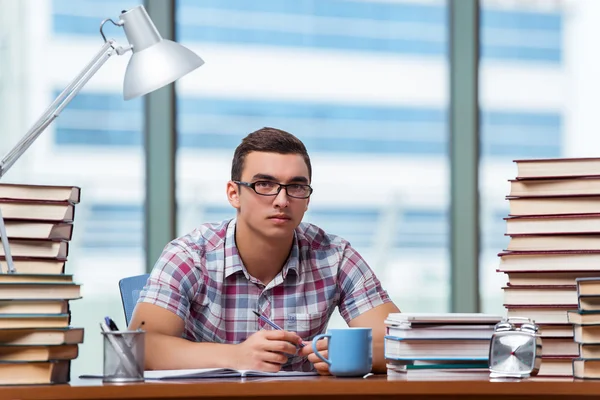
(201, 278)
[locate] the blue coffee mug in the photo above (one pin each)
(350, 351)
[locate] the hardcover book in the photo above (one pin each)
(558, 167)
(71, 194)
(553, 224)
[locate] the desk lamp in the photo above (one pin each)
(154, 63)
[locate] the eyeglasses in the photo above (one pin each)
(268, 188)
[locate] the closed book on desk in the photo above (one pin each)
(39, 230)
(414, 319)
(217, 373)
(41, 336)
(483, 365)
(589, 286)
(522, 206)
(560, 346)
(589, 302)
(37, 211)
(38, 353)
(556, 330)
(34, 373)
(41, 290)
(555, 187)
(540, 295)
(589, 350)
(35, 278)
(71, 194)
(12, 321)
(441, 331)
(553, 224)
(581, 317)
(554, 242)
(27, 306)
(548, 314)
(586, 368)
(37, 248)
(558, 167)
(399, 365)
(531, 261)
(423, 349)
(29, 265)
(556, 366)
(586, 333)
(546, 278)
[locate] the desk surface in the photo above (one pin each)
(412, 386)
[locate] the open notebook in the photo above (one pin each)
(209, 373)
(216, 373)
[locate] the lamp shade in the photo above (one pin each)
(155, 61)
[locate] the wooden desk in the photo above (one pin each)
(462, 386)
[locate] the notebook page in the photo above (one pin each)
(191, 373)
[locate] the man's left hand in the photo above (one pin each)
(321, 367)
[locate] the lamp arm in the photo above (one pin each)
(49, 115)
(54, 109)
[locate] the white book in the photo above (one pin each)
(438, 318)
(434, 349)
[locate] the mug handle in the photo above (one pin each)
(314, 346)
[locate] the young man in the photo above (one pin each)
(198, 306)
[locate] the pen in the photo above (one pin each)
(271, 323)
(111, 324)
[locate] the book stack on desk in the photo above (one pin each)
(438, 341)
(37, 342)
(554, 229)
(586, 328)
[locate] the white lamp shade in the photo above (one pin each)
(155, 61)
(157, 66)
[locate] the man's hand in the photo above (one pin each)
(266, 350)
(321, 367)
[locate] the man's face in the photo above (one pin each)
(272, 216)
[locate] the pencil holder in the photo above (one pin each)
(123, 356)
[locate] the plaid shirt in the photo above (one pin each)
(201, 278)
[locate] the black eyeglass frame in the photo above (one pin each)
(252, 185)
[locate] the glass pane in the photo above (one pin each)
(363, 84)
(523, 109)
(96, 144)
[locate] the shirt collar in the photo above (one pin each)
(233, 261)
(293, 261)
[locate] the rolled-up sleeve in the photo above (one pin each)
(173, 281)
(360, 290)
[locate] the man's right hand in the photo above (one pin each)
(266, 350)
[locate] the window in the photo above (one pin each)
(522, 78)
(362, 83)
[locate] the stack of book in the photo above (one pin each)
(448, 341)
(586, 327)
(37, 342)
(554, 229)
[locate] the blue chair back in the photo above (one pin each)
(130, 289)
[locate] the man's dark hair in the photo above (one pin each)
(269, 140)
